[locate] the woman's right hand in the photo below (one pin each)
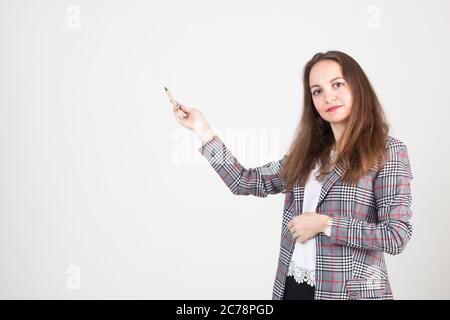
(192, 119)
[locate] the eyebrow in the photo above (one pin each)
(316, 85)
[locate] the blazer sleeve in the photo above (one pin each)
(393, 199)
(260, 181)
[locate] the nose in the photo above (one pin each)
(330, 98)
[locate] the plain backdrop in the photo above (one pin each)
(104, 195)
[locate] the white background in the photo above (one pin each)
(97, 174)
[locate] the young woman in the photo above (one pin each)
(346, 183)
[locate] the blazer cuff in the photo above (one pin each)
(213, 149)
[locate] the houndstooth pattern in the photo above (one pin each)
(369, 219)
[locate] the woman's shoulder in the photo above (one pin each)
(394, 144)
(396, 151)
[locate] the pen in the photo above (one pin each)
(172, 100)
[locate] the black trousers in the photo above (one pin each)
(297, 291)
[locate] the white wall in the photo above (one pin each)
(97, 174)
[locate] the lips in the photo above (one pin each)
(332, 108)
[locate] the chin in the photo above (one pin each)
(338, 121)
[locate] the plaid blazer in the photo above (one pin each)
(369, 219)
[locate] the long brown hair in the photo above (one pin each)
(363, 142)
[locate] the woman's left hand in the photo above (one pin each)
(306, 225)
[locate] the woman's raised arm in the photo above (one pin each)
(260, 181)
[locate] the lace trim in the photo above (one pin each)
(302, 275)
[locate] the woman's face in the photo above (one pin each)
(329, 88)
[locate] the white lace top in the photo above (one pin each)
(303, 261)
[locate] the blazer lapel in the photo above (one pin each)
(329, 181)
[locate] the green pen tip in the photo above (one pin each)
(165, 88)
